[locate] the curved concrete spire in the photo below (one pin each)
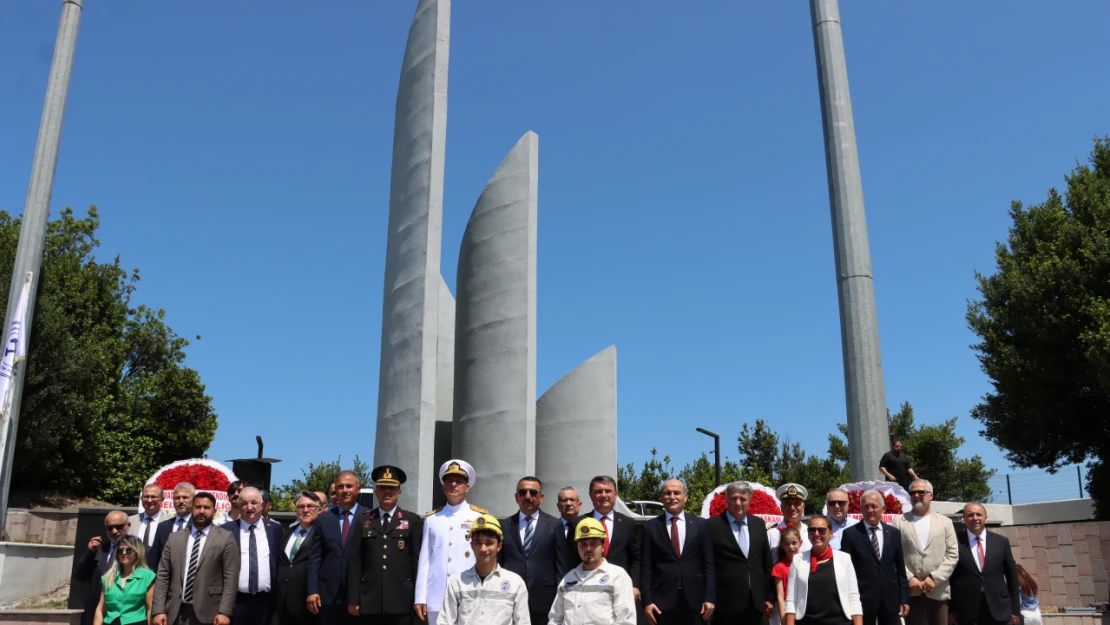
(495, 332)
(576, 426)
(410, 310)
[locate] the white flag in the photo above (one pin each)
(15, 349)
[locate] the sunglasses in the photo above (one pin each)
(526, 492)
(837, 503)
(118, 527)
(820, 531)
(126, 551)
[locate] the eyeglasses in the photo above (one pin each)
(308, 506)
(528, 492)
(126, 551)
(151, 497)
(837, 503)
(820, 531)
(919, 492)
(117, 527)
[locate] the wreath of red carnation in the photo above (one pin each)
(892, 505)
(204, 474)
(763, 503)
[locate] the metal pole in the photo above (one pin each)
(1009, 493)
(1079, 472)
(36, 211)
(716, 453)
(868, 430)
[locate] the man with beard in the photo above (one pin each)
(896, 466)
(292, 570)
(183, 505)
(384, 551)
(534, 548)
(445, 546)
(233, 490)
(931, 551)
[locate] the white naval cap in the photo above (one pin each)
(458, 467)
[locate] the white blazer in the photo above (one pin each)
(846, 585)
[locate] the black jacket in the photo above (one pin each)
(734, 569)
(291, 578)
(327, 562)
(882, 582)
(997, 583)
(92, 566)
(661, 568)
(381, 562)
(544, 566)
(161, 535)
(624, 545)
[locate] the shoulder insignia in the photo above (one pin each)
(408, 512)
(433, 511)
(478, 510)
(771, 526)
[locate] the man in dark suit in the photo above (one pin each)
(679, 576)
(327, 561)
(384, 550)
(98, 559)
(183, 505)
(258, 541)
(876, 550)
(985, 581)
(292, 570)
(622, 546)
(534, 548)
(742, 557)
(198, 573)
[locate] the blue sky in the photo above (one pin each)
(239, 153)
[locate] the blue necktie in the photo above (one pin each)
(252, 574)
(528, 532)
(742, 529)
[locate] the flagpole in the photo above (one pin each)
(32, 232)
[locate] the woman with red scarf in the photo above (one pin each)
(822, 588)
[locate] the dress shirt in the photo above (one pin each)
(262, 544)
(973, 542)
(144, 521)
(681, 528)
(195, 535)
(923, 524)
(838, 531)
(351, 519)
(500, 599)
(178, 525)
(382, 512)
(523, 524)
(608, 524)
(878, 535)
(736, 524)
(300, 531)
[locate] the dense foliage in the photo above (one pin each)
(317, 477)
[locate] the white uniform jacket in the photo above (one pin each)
(444, 552)
(500, 600)
(603, 595)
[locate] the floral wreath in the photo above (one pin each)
(895, 498)
(206, 475)
(764, 504)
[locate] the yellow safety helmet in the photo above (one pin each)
(487, 523)
(589, 528)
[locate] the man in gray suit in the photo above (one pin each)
(930, 551)
(198, 576)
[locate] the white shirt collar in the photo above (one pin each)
(456, 508)
(246, 526)
(382, 512)
(981, 537)
(608, 517)
(535, 516)
(681, 519)
(353, 511)
(203, 532)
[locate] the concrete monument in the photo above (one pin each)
(868, 432)
(407, 386)
(576, 426)
(495, 331)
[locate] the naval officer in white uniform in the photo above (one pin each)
(445, 550)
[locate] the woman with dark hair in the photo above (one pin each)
(822, 589)
(128, 587)
(1030, 605)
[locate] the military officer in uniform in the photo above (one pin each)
(384, 550)
(446, 549)
(792, 498)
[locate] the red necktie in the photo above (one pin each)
(677, 545)
(982, 554)
(606, 526)
(346, 524)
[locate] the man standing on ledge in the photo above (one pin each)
(445, 551)
(895, 465)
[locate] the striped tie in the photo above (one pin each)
(875, 542)
(528, 531)
(191, 575)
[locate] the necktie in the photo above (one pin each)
(674, 538)
(606, 526)
(566, 528)
(346, 524)
(385, 519)
(252, 574)
(742, 529)
(875, 541)
(146, 532)
(528, 532)
(296, 544)
(180, 524)
(982, 553)
(191, 575)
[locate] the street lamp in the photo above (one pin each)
(716, 452)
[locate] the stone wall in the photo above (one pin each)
(1068, 560)
(47, 527)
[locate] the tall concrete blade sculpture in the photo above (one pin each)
(410, 316)
(868, 432)
(495, 331)
(445, 383)
(576, 426)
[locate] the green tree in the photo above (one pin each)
(700, 477)
(758, 447)
(105, 381)
(647, 485)
(317, 477)
(1043, 324)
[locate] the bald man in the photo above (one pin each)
(259, 542)
(99, 557)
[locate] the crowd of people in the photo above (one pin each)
(340, 563)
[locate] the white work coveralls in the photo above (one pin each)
(502, 599)
(603, 595)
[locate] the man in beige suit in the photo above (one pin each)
(198, 576)
(931, 552)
